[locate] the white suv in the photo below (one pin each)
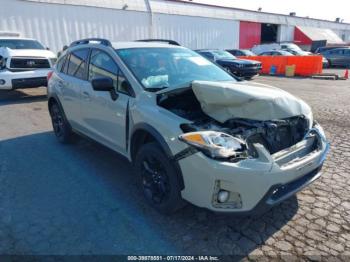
(192, 131)
(24, 63)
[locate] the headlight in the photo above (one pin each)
(216, 144)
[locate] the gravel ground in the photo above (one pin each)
(83, 199)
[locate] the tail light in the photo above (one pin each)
(49, 75)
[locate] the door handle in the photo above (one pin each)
(86, 95)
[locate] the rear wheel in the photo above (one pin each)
(61, 127)
(158, 178)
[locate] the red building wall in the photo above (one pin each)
(249, 34)
(300, 38)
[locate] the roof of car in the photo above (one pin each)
(208, 50)
(15, 38)
(122, 45)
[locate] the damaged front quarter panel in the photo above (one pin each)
(232, 117)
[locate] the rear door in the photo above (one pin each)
(72, 78)
(104, 117)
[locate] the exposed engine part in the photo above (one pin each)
(274, 135)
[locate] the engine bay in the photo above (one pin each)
(274, 135)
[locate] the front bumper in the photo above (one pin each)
(255, 184)
(246, 72)
(23, 79)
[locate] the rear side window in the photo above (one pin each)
(336, 52)
(60, 63)
(77, 63)
(65, 64)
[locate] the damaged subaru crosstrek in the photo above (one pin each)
(192, 131)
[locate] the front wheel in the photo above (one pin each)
(158, 179)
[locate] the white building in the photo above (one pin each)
(59, 22)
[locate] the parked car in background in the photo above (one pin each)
(338, 57)
(191, 130)
(293, 48)
(240, 52)
(300, 52)
(258, 49)
(239, 67)
(24, 63)
(297, 52)
(323, 49)
(276, 53)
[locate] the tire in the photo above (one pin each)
(61, 127)
(158, 179)
(329, 64)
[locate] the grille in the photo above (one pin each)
(250, 66)
(29, 63)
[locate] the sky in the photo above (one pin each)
(320, 9)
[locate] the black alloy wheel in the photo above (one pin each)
(155, 180)
(159, 179)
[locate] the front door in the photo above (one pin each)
(103, 113)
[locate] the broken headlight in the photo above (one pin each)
(216, 144)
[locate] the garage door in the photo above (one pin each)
(249, 34)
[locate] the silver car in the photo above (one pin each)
(192, 131)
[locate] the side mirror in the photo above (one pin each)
(102, 84)
(47, 48)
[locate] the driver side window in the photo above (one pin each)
(102, 65)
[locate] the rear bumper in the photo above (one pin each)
(25, 79)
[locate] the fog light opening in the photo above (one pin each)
(2, 82)
(223, 196)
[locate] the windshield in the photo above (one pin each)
(20, 44)
(285, 53)
(222, 54)
(297, 52)
(158, 68)
(248, 53)
(291, 46)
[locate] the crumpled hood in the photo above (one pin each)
(227, 100)
(7, 52)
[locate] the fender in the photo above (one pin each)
(163, 144)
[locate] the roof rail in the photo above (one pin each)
(88, 40)
(170, 42)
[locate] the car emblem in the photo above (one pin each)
(31, 63)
